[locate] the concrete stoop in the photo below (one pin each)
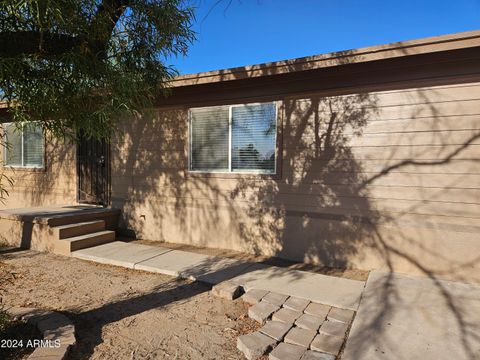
(60, 229)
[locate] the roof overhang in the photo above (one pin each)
(401, 49)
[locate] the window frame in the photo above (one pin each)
(23, 166)
(229, 172)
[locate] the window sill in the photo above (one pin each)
(24, 168)
(232, 175)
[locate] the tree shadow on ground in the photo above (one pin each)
(89, 324)
(339, 201)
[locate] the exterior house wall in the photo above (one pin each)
(54, 184)
(379, 179)
(380, 165)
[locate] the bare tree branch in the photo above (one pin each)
(103, 23)
(15, 43)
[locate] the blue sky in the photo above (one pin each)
(256, 31)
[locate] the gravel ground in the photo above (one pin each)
(126, 314)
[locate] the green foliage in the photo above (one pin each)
(83, 64)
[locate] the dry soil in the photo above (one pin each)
(126, 314)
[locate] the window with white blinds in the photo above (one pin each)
(25, 147)
(237, 138)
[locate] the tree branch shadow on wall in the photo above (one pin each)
(339, 202)
(53, 184)
(50, 185)
(410, 248)
(321, 210)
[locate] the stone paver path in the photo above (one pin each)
(296, 304)
(262, 311)
(286, 315)
(276, 329)
(309, 322)
(286, 351)
(327, 344)
(254, 296)
(304, 315)
(297, 334)
(255, 344)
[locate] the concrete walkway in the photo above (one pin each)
(399, 317)
(328, 290)
(406, 317)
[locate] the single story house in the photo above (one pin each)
(367, 158)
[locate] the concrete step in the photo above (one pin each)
(77, 229)
(109, 215)
(66, 246)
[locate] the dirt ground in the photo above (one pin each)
(126, 314)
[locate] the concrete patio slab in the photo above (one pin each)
(193, 266)
(407, 317)
(175, 263)
(220, 269)
(334, 291)
(120, 253)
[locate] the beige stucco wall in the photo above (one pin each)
(56, 183)
(387, 179)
